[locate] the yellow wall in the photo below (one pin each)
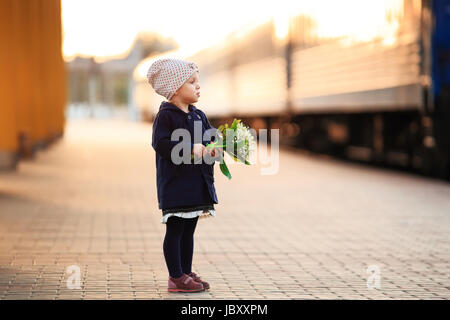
(8, 125)
(32, 77)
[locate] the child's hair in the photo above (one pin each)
(166, 75)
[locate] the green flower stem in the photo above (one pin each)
(214, 144)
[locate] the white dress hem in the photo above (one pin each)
(188, 215)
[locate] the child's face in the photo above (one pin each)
(189, 92)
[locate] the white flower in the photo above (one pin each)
(245, 141)
(238, 141)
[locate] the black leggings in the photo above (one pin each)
(179, 245)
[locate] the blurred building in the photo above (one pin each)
(109, 85)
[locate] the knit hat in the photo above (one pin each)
(167, 75)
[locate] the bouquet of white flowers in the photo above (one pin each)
(237, 141)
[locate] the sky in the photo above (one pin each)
(106, 28)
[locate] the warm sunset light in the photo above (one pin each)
(337, 19)
(105, 28)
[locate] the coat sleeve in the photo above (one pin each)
(161, 136)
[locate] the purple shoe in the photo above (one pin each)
(197, 279)
(184, 284)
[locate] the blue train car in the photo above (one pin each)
(440, 74)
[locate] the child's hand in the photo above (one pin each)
(217, 154)
(199, 150)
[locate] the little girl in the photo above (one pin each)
(185, 191)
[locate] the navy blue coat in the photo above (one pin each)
(182, 184)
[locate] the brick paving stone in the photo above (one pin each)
(308, 232)
(22, 296)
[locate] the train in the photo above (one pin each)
(361, 81)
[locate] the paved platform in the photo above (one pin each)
(309, 232)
